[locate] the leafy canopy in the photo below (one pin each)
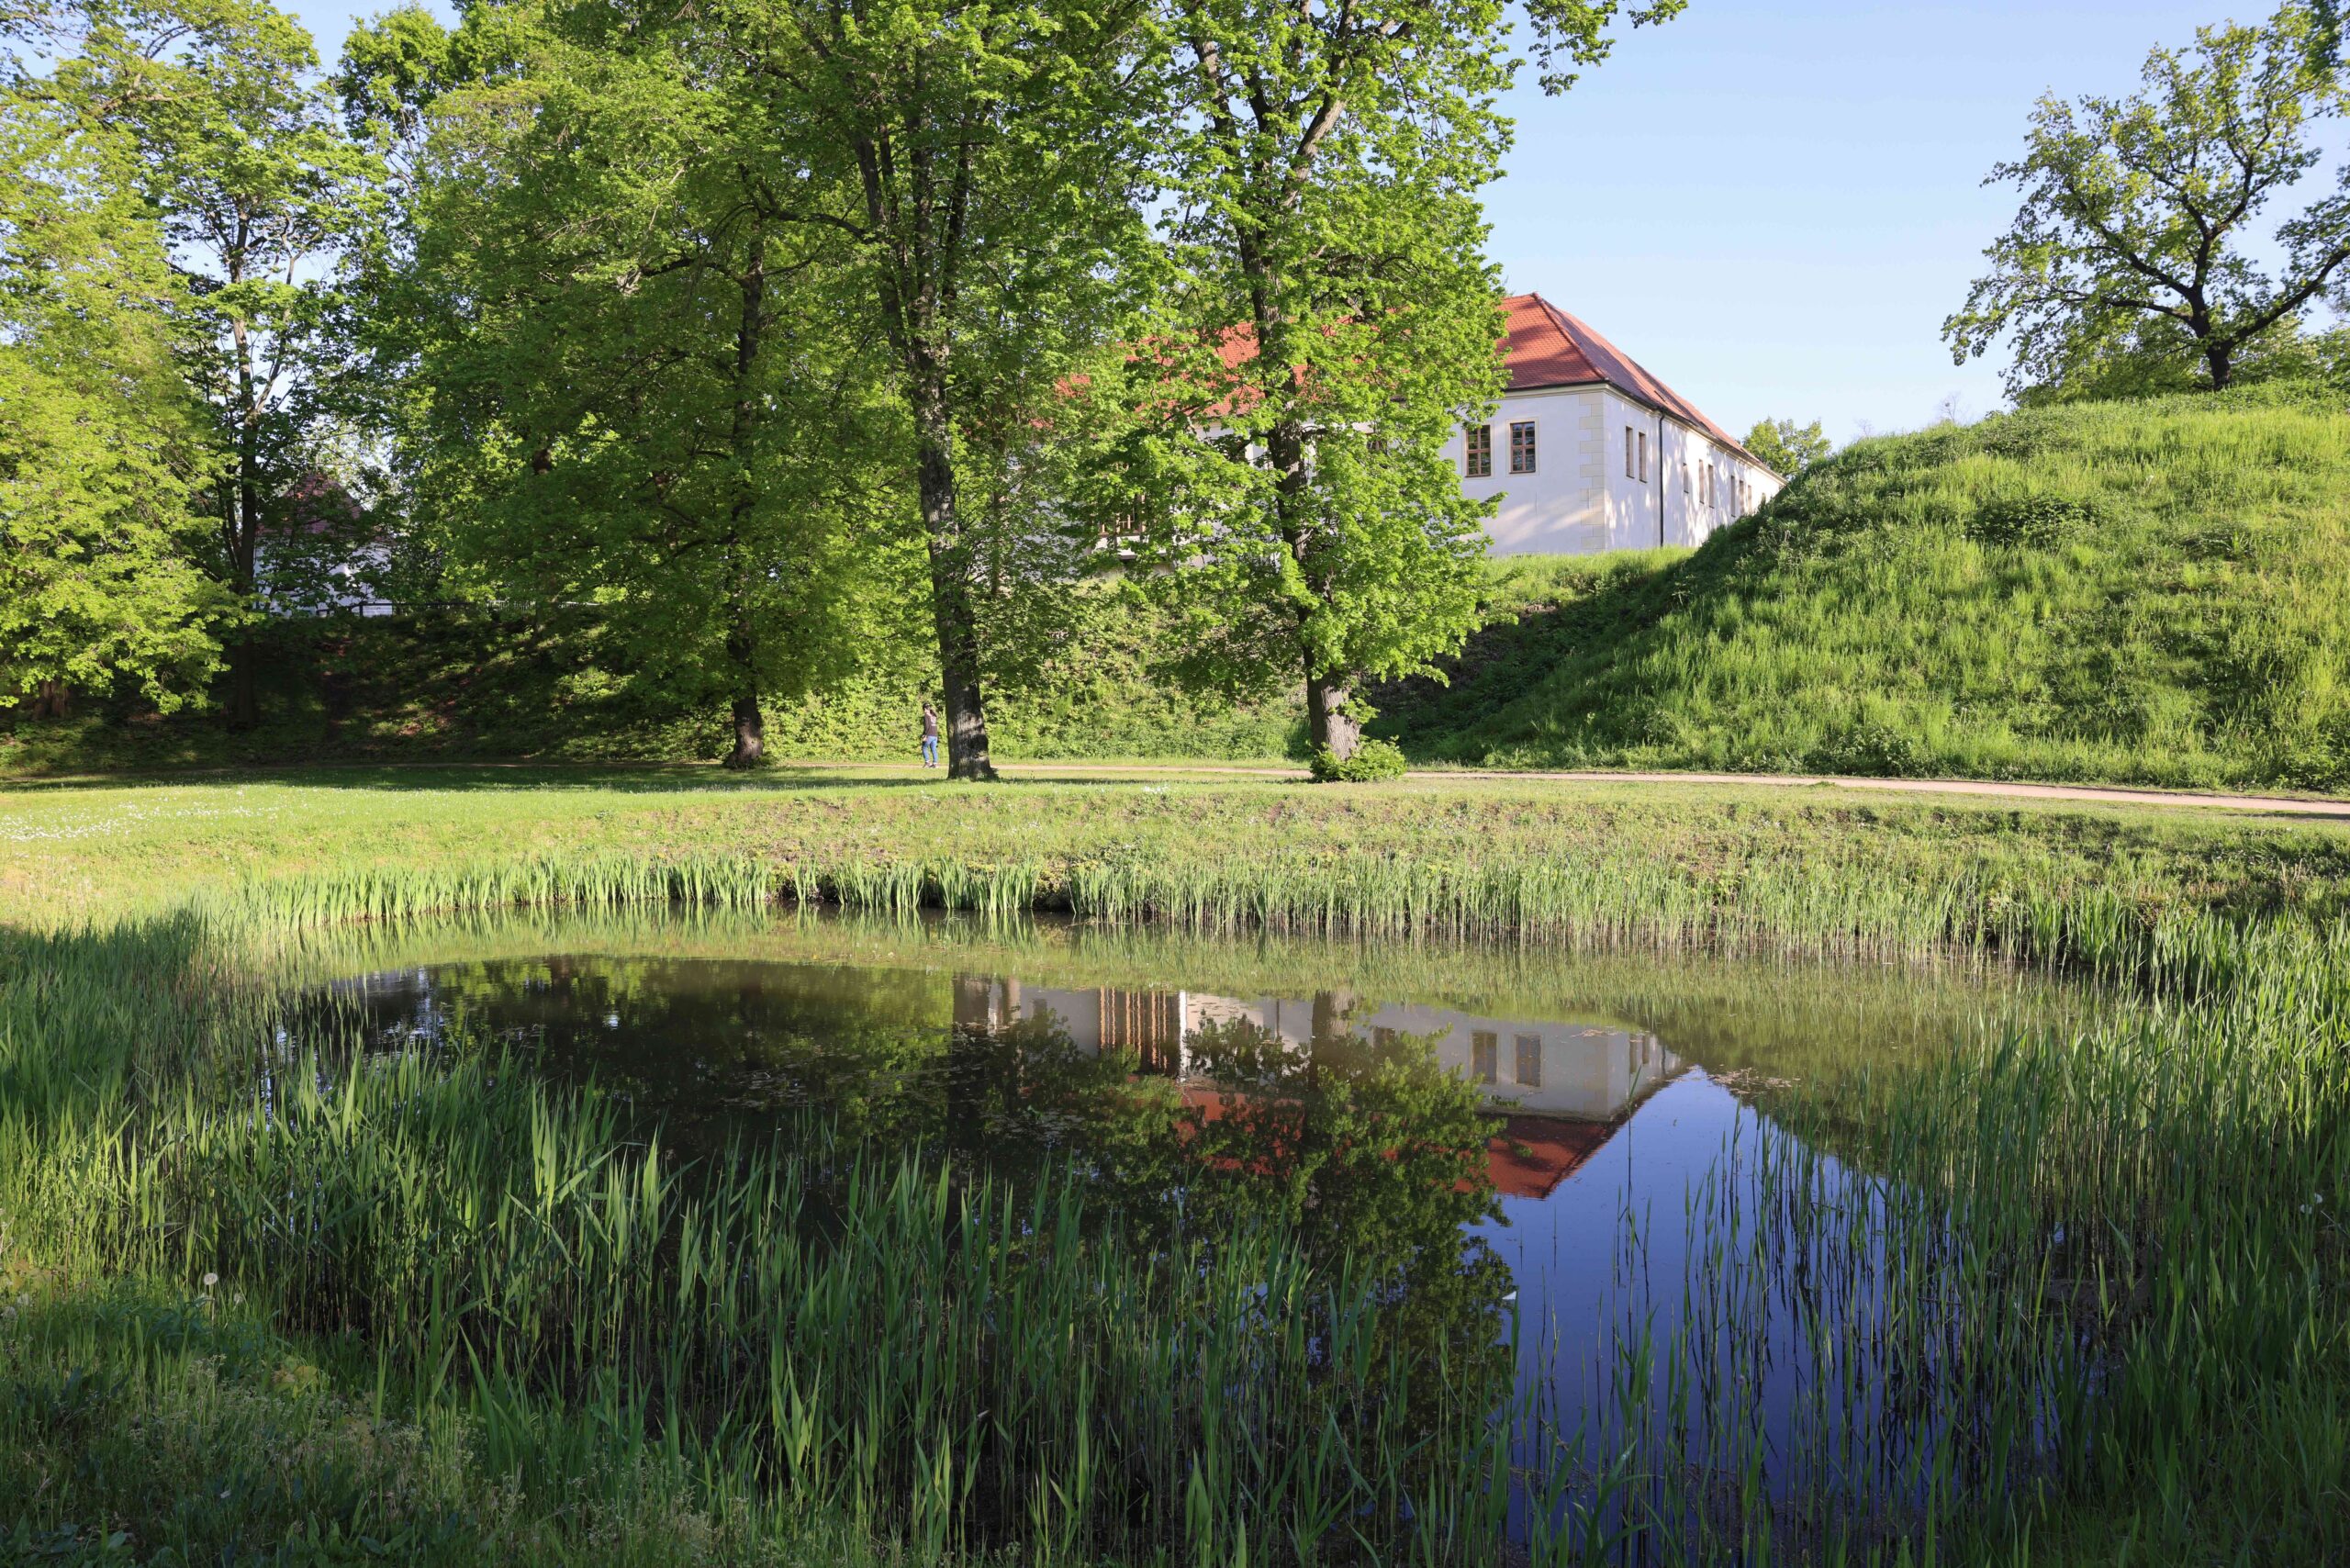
(101, 449)
(2137, 211)
(1787, 447)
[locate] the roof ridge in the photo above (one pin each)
(1614, 368)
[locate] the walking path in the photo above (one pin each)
(2289, 805)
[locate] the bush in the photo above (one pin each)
(1371, 762)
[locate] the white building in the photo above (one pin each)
(1588, 451)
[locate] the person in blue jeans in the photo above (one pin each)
(929, 736)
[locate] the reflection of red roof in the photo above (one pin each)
(1552, 1151)
(1528, 1159)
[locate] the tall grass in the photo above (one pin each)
(2007, 1297)
(1818, 903)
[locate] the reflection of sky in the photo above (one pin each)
(1563, 1250)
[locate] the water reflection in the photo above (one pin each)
(1559, 1174)
(1536, 1071)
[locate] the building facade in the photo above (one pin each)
(1589, 452)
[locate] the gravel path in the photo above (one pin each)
(2287, 805)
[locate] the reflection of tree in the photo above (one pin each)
(1375, 1151)
(1370, 1150)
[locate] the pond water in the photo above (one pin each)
(1578, 1162)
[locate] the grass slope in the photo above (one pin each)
(2130, 592)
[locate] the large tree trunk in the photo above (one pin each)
(1327, 692)
(750, 732)
(1328, 722)
(51, 699)
(951, 593)
(245, 540)
(742, 638)
(2220, 359)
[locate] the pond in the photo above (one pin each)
(1578, 1166)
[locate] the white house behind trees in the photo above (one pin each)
(1589, 452)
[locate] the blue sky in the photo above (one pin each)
(1774, 205)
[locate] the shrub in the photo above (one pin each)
(1371, 762)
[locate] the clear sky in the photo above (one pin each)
(1772, 203)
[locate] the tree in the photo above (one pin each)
(977, 161)
(636, 394)
(102, 447)
(257, 186)
(1789, 448)
(1330, 322)
(2136, 210)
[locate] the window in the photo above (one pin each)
(1481, 452)
(1685, 477)
(1529, 1061)
(1521, 447)
(1629, 472)
(1484, 1056)
(1643, 475)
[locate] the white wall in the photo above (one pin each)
(1579, 500)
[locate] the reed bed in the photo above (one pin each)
(2022, 1302)
(1812, 905)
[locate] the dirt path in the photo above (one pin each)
(2093, 794)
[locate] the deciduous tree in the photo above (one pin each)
(101, 446)
(1787, 447)
(239, 152)
(2137, 211)
(1330, 322)
(979, 160)
(639, 393)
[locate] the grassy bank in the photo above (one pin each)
(2130, 592)
(2105, 1266)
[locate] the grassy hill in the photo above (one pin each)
(2154, 592)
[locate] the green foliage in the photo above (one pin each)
(1325, 321)
(102, 450)
(234, 148)
(2138, 592)
(1787, 447)
(671, 423)
(1369, 762)
(481, 682)
(2126, 265)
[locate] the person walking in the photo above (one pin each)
(929, 736)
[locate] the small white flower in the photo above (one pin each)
(210, 1281)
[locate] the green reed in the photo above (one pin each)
(2026, 1286)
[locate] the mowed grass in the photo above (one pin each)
(457, 1315)
(2133, 592)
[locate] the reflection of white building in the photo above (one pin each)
(1588, 1072)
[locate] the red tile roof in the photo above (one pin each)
(1547, 347)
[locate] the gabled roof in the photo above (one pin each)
(1547, 347)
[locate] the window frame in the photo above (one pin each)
(1477, 452)
(1527, 426)
(1486, 1056)
(1529, 1049)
